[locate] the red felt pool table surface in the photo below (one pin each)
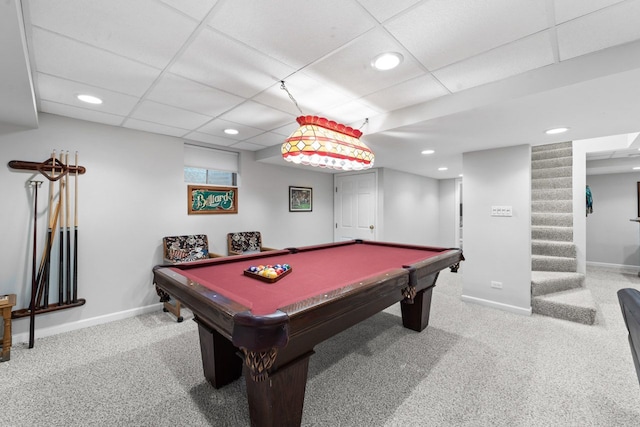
(314, 272)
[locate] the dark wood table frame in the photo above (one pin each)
(276, 347)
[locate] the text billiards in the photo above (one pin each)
(275, 326)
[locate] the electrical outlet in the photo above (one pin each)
(496, 285)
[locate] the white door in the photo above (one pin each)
(355, 204)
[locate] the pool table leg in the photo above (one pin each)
(220, 359)
(416, 316)
(277, 401)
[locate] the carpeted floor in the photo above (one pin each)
(473, 366)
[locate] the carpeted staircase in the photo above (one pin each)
(557, 290)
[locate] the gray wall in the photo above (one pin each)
(611, 237)
(410, 208)
(132, 195)
(498, 248)
(447, 213)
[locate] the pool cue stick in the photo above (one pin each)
(68, 226)
(43, 271)
(61, 243)
(32, 305)
(75, 235)
(43, 274)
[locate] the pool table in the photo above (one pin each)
(268, 330)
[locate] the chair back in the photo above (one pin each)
(185, 248)
(244, 242)
(630, 304)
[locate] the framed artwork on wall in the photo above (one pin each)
(300, 199)
(206, 199)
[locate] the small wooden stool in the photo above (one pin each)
(6, 303)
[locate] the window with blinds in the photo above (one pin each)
(204, 165)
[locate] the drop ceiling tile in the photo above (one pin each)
(59, 56)
(415, 91)
(196, 9)
(169, 116)
(352, 113)
(294, 33)
(189, 95)
(441, 32)
(217, 61)
(258, 116)
(570, 9)
(286, 130)
(120, 26)
(385, 9)
(216, 128)
(311, 95)
(247, 146)
(350, 67)
(267, 139)
(506, 61)
(80, 113)
(608, 27)
(210, 139)
(154, 127)
(63, 91)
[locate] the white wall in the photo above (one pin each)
(410, 208)
(611, 237)
(498, 248)
(447, 215)
(132, 195)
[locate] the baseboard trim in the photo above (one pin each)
(620, 268)
(85, 323)
(498, 305)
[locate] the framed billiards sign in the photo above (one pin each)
(300, 199)
(204, 199)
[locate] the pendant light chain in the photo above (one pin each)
(283, 87)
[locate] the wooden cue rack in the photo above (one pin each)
(47, 168)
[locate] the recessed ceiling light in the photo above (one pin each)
(386, 61)
(428, 152)
(89, 99)
(443, 169)
(555, 131)
(231, 131)
(460, 175)
(636, 168)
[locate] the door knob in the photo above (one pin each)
(371, 227)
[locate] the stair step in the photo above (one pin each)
(552, 206)
(552, 183)
(553, 263)
(576, 305)
(552, 194)
(564, 171)
(552, 219)
(553, 248)
(552, 153)
(548, 282)
(554, 146)
(558, 234)
(552, 163)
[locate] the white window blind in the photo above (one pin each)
(210, 158)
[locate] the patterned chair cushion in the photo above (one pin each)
(245, 241)
(186, 248)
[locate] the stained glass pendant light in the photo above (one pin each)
(324, 143)
(327, 144)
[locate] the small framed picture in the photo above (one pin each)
(300, 199)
